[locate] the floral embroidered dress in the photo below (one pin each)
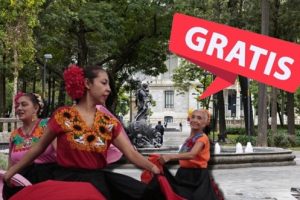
(80, 146)
(203, 156)
(20, 143)
(192, 179)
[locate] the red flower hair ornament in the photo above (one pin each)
(17, 97)
(74, 81)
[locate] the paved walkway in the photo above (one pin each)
(255, 183)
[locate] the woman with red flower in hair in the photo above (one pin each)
(192, 180)
(84, 135)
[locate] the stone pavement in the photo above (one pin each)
(258, 183)
(255, 183)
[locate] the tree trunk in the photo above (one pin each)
(52, 96)
(34, 84)
(245, 95)
(273, 113)
(291, 113)
(61, 94)
(15, 83)
(2, 92)
(82, 45)
(49, 95)
(24, 86)
(274, 90)
(221, 108)
(283, 108)
(262, 88)
(280, 114)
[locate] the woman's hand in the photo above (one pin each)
(6, 178)
(164, 159)
(155, 170)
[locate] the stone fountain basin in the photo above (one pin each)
(261, 156)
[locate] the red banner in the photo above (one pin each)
(228, 52)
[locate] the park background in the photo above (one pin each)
(40, 38)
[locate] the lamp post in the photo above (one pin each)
(248, 105)
(47, 57)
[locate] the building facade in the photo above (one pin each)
(172, 107)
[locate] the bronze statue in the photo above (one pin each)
(142, 101)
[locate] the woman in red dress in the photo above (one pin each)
(84, 135)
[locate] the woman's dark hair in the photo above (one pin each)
(36, 101)
(91, 72)
(113, 93)
(207, 129)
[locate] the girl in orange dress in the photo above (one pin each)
(192, 179)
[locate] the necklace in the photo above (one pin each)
(28, 131)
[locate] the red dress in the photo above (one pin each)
(82, 152)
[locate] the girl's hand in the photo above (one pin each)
(6, 178)
(155, 170)
(164, 159)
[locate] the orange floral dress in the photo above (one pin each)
(78, 145)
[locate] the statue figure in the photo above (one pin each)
(142, 101)
(139, 131)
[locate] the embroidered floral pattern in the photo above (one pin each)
(22, 142)
(82, 137)
(190, 142)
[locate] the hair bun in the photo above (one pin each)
(74, 81)
(39, 101)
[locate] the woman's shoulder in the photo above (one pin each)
(15, 132)
(203, 137)
(43, 122)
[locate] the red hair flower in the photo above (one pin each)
(17, 97)
(74, 81)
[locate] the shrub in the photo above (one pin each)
(243, 139)
(236, 131)
(281, 140)
(3, 161)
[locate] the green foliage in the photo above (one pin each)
(20, 17)
(3, 161)
(236, 131)
(297, 101)
(281, 140)
(297, 139)
(125, 36)
(123, 103)
(185, 75)
(243, 139)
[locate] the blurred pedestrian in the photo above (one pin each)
(159, 127)
(180, 126)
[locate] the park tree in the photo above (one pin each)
(125, 37)
(262, 88)
(290, 30)
(18, 20)
(210, 10)
(237, 13)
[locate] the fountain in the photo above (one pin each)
(228, 157)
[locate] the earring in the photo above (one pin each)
(34, 117)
